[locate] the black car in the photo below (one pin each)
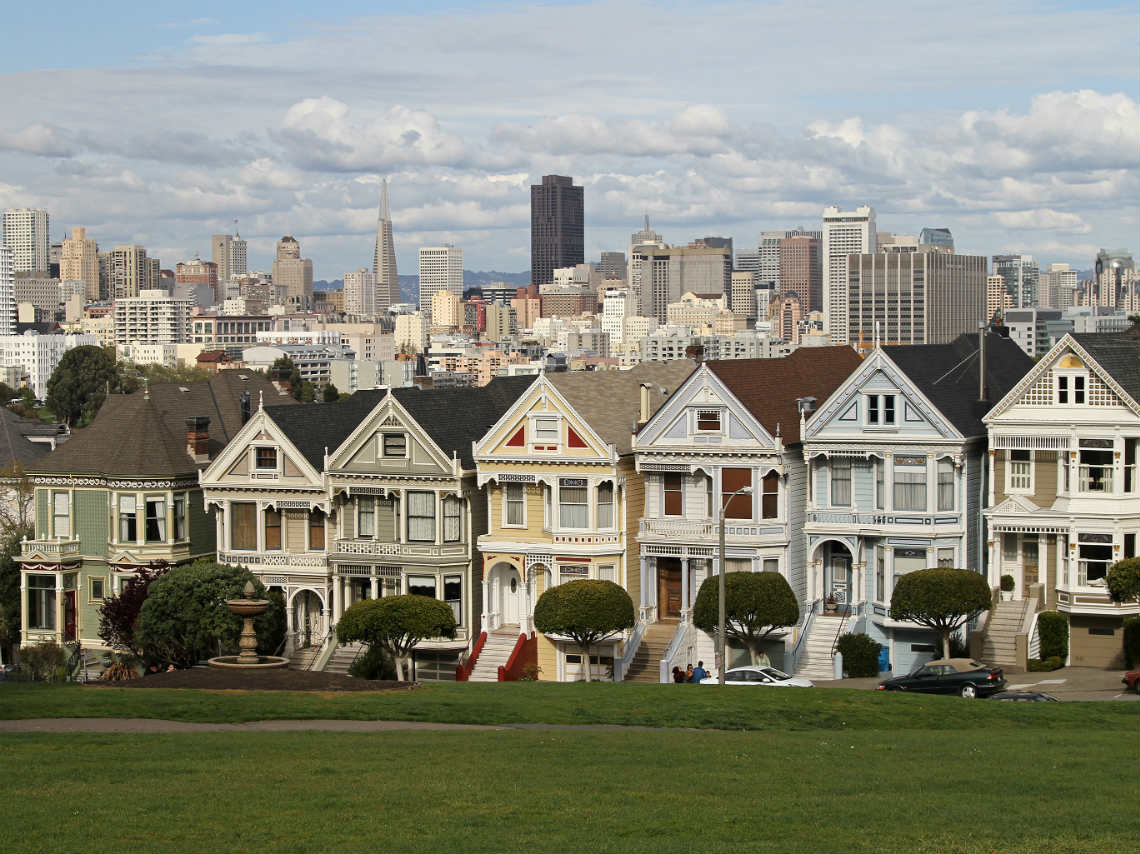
(962, 676)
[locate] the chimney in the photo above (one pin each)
(696, 352)
(644, 404)
(198, 438)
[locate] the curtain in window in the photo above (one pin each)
(128, 531)
(739, 506)
(770, 503)
(516, 496)
(366, 516)
(179, 518)
(453, 596)
(880, 491)
(945, 485)
(841, 483)
(155, 520)
(273, 529)
(317, 530)
(573, 503)
(421, 517)
(605, 505)
(910, 488)
(243, 522)
(674, 494)
(61, 521)
(452, 519)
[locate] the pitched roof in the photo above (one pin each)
(770, 387)
(14, 444)
(610, 401)
(1118, 354)
(144, 434)
(452, 417)
(948, 375)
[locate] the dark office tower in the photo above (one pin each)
(557, 227)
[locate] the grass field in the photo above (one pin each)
(805, 770)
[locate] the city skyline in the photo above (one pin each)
(1012, 150)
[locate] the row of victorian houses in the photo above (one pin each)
(838, 472)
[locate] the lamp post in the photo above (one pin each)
(721, 614)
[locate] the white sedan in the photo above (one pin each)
(759, 675)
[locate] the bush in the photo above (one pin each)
(1132, 641)
(44, 662)
(1040, 665)
(396, 624)
(1007, 583)
(586, 611)
(1053, 630)
(374, 663)
(1124, 580)
(860, 655)
(941, 599)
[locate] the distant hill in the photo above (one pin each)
(410, 285)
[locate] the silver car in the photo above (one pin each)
(760, 675)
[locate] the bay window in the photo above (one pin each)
(573, 503)
(880, 484)
(179, 518)
(1020, 476)
(1095, 472)
(421, 517)
(770, 496)
(317, 530)
(908, 560)
(41, 602)
(155, 520)
(128, 520)
(272, 529)
(732, 481)
(421, 585)
(514, 499)
(453, 596)
(1095, 556)
(366, 516)
(910, 483)
(673, 486)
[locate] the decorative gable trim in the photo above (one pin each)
(259, 428)
(397, 416)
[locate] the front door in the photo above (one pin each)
(69, 616)
(510, 591)
(1028, 564)
(839, 580)
(668, 587)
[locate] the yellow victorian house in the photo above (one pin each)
(564, 501)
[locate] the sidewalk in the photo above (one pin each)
(1068, 683)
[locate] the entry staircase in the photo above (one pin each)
(496, 650)
(1000, 643)
(303, 657)
(816, 659)
(342, 658)
(646, 663)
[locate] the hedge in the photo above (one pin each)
(1132, 641)
(1053, 630)
(860, 655)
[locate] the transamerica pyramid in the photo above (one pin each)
(384, 256)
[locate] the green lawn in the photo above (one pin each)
(705, 707)
(823, 790)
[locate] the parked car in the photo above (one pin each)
(962, 676)
(758, 675)
(1024, 697)
(1131, 680)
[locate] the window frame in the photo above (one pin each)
(679, 492)
(258, 465)
(732, 504)
(390, 439)
(508, 501)
(605, 524)
(844, 483)
(56, 515)
(770, 497)
(411, 517)
(452, 514)
(456, 604)
(537, 430)
(566, 522)
(46, 605)
(902, 469)
(180, 520)
(160, 519)
(944, 465)
(713, 418)
(131, 518)
(234, 505)
(316, 513)
(361, 502)
(92, 599)
(269, 515)
(1015, 473)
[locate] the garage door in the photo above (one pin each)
(1096, 642)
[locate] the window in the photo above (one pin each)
(179, 518)
(881, 577)
(452, 519)
(708, 419)
(908, 560)
(128, 521)
(945, 484)
(605, 505)
(155, 520)
(366, 516)
(1130, 545)
(1095, 556)
(41, 602)
(266, 459)
(395, 445)
(545, 431)
(881, 409)
(421, 517)
(1078, 389)
(514, 496)
(1020, 476)
(1009, 548)
(888, 409)
(873, 414)
(96, 588)
(770, 496)
(1095, 471)
(572, 572)
(317, 530)
(573, 503)
(840, 483)
(607, 572)
(771, 564)
(272, 529)
(711, 510)
(421, 585)
(946, 558)
(453, 596)
(735, 506)
(1130, 453)
(910, 483)
(60, 514)
(880, 478)
(674, 487)
(243, 524)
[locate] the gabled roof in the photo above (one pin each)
(144, 434)
(14, 444)
(610, 401)
(770, 387)
(947, 374)
(1118, 354)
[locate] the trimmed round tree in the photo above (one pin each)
(584, 611)
(1123, 580)
(396, 624)
(756, 605)
(184, 618)
(940, 599)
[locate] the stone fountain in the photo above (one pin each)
(247, 608)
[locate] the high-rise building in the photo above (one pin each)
(612, 265)
(441, 268)
(79, 262)
(153, 317)
(844, 233)
(130, 272)
(446, 309)
(923, 297)
(617, 305)
(199, 272)
(801, 270)
(360, 292)
(784, 313)
(1057, 286)
(1020, 274)
(997, 298)
(230, 255)
(742, 301)
(501, 322)
(26, 234)
(40, 289)
(659, 275)
(294, 273)
(384, 256)
(7, 296)
(940, 237)
(557, 227)
(1115, 281)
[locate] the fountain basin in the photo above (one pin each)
(264, 662)
(247, 607)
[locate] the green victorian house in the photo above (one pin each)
(123, 494)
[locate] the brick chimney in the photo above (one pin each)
(198, 438)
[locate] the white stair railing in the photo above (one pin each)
(672, 654)
(621, 665)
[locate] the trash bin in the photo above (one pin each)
(837, 664)
(884, 659)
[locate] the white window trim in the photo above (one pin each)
(696, 412)
(277, 470)
(881, 399)
(1012, 490)
(375, 534)
(1069, 375)
(532, 432)
(506, 524)
(380, 445)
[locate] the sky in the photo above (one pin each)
(1016, 124)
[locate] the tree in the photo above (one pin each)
(330, 394)
(756, 605)
(10, 542)
(78, 386)
(585, 611)
(396, 624)
(308, 392)
(184, 618)
(940, 599)
(283, 370)
(1123, 580)
(17, 499)
(119, 615)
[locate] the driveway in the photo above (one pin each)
(1068, 683)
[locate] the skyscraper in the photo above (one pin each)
(441, 268)
(294, 273)
(387, 282)
(130, 271)
(940, 237)
(26, 234)
(360, 292)
(7, 297)
(557, 227)
(801, 270)
(79, 262)
(1020, 273)
(230, 254)
(844, 233)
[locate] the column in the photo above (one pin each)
(338, 598)
(644, 584)
(170, 519)
(375, 584)
(486, 585)
(59, 618)
(685, 580)
(402, 518)
(438, 518)
(259, 516)
(227, 526)
(290, 641)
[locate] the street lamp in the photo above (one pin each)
(721, 616)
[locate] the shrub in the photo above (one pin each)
(119, 614)
(1124, 580)
(1040, 665)
(374, 663)
(397, 624)
(1007, 583)
(860, 655)
(958, 647)
(1132, 641)
(941, 599)
(1053, 630)
(44, 662)
(585, 611)
(757, 604)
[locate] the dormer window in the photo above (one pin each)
(545, 431)
(265, 459)
(394, 445)
(881, 410)
(708, 419)
(1072, 380)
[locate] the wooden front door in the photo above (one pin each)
(1029, 565)
(668, 587)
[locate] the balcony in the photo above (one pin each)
(693, 530)
(874, 520)
(381, 549)
(586, 539)
(55, 549)
(308, 560)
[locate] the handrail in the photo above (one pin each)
(463, 671)
(321, 659)
(839, 631)
(621, 665)
(512, 659)
(674, 645)
(797, 647)
(1033, 644)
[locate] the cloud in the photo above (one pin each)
(39, 139)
